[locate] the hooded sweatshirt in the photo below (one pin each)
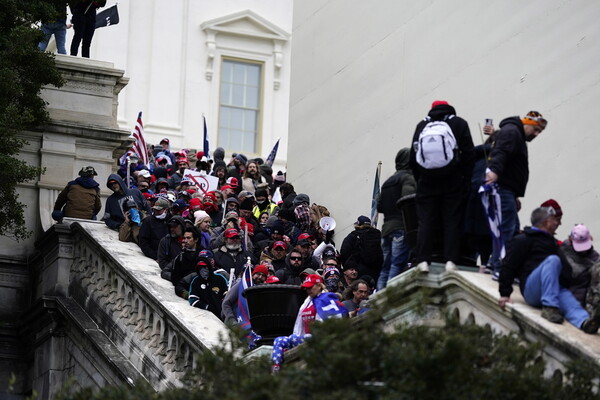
(401, 184)
(113, 213)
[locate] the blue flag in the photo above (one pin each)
(271, 158)
(243, 316)
(376, 191)
(490, 198)
(206, 147)
(328, 305)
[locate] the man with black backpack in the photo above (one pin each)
(441, 158)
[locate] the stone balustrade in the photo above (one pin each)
(473, 298)
(121, 290)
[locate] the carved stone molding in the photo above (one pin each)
(244, 24)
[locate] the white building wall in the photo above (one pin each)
(364, 74)
(163, 49)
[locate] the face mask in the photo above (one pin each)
(331, 283)
(204, 273)
(161, 216)
(260, 203)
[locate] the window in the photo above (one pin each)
(240, 105)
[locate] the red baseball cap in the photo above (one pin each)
(306, 236)
(311, 280)
(231, 232)
(281, 244)
(232, 182)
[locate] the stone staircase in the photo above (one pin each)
(106, 316)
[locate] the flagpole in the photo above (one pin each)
(379, 189)
(376, 192)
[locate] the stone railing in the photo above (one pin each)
(121, 290)
(473, 298)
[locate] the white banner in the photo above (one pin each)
(205, 183)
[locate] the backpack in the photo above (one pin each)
(367, 250)
(436, 147)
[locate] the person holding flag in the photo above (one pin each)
(137, 151)
(235, 308)
(318, 306)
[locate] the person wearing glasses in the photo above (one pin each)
(290, 274)
(508, 168)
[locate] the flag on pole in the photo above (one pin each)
(138, 148)
(490, 198)
(206, 147)
(276, 196)
(272, 154)
(243, 316)
(107, 17)
(376, 191)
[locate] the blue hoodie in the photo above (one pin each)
(113, 215)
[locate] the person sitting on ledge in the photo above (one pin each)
(534, 259)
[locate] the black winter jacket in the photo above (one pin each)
(525, 252)
(226, 260)
(509, 158)
(151, 232)
(400, 184)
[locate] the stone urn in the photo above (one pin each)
(273, 309)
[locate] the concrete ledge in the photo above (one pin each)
(473, 297)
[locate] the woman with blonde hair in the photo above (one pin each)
(202, 223)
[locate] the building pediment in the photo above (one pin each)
(245, 23)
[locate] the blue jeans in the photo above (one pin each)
(542, 289)
(508, 227)
(59, 30)
(395, 256)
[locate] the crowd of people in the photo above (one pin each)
(254, 223)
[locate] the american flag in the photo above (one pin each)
(139, 146)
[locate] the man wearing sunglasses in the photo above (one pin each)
(290, 274)
(508, 168)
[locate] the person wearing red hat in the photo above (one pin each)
(230, 302)
(275, 253)
(558, 213)
(441, 158)
(182, 165)
(231, 255)
(508, 168)
(318, 306)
